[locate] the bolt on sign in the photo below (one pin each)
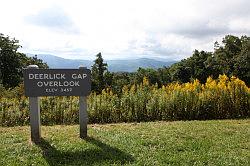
(56, 82)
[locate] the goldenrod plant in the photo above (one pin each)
(216, 99)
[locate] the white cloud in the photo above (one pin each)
(120, 29)
(53, 18)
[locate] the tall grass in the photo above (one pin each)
(216, 99)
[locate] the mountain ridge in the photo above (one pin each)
(121, 65)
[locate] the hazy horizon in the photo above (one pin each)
(94, 57)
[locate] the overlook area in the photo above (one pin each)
(156, 82)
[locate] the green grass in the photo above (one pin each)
(217, 142)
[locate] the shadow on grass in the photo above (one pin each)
(103, 153)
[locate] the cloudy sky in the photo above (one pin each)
(79, 29)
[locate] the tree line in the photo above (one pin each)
(231, 57)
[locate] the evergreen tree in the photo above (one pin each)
(98, 70)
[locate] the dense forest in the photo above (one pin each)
(207, 85)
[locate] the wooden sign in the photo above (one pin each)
(57, 82)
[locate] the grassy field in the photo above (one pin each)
(217, 142)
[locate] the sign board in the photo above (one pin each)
(57, 82)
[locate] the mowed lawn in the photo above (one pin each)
(216, 142)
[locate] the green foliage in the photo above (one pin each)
(216, 99)
(98, 70)
(12, 62)
(180, 72)
(119, 80)
(232, 57)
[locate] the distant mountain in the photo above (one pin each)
(131, 65)
(126, 65)
(58, 62)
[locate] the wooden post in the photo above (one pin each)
(35, 123)
(83, 115)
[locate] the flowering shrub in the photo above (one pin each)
(216, 99)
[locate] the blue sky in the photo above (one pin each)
(79, 29)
